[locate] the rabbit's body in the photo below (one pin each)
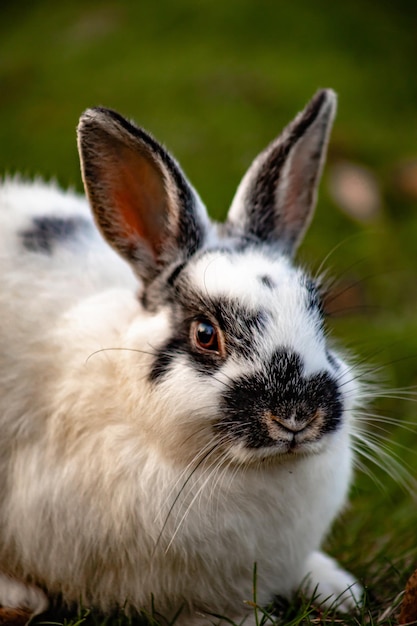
(138, 459)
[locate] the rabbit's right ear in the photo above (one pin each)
(276, 198)
(141, 200)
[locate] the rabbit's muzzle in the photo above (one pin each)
(280, 407)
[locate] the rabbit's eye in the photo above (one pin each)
(205, 335)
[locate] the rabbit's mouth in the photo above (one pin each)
(279, 446)
(294, 435)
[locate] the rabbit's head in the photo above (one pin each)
(239, 356)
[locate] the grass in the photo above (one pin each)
(216, 81)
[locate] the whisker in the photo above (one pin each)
(386, 459)
(197, 461)
(183, 473)
(225, 487)
(329, 283)
(346, 289)
(171, 508)
(358, 282)
(398, 394)
(235, 469)
(118, 350)
(402, 359)
(365, 468)
(374, 418)
(219, 471)
(194, 498)
(222, 382)
(382, 441)
(334, 249)
(354, 309)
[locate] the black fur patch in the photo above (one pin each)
(314, 299)
(280, 388)
(238, 326)
(164, 357)
(204, 363)
(175, 273)
(49, 230)
(332, 360)
(267, 281)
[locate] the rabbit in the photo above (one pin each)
(173, 414)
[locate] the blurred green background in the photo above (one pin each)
(215, 82)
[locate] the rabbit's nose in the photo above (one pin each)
(293, 422)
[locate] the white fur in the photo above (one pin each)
(14, 594)
(332, 585)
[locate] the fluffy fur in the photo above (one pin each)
(132, 464)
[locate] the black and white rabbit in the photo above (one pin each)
(171, 412)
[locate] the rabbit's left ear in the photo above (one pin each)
(141, 200)
(276, 198)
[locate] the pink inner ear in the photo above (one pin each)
(297, 195)
(130, 220)
(137, 193)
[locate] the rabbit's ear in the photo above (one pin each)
(142, 202)
(276, 198)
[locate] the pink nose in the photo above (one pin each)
(292, 423)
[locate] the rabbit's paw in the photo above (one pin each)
(333, 586)
(17, 595)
